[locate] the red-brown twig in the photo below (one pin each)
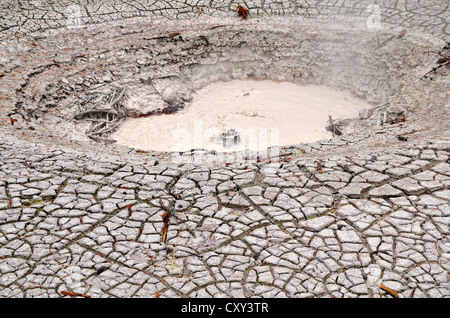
(242, 12)
(67, 293)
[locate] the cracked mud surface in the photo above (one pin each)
(328, 219)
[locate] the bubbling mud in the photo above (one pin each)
(262, 114)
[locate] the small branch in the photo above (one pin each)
(94, 128)
(119, 98)
(104, 120)
(92, 111)
(72, 294)
(96, 138)
(438, 53)
(445, 60)
(436, 68)
(390, 291)
(332, 127)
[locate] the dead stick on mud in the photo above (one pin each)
(108, 126)
(119, 98)
(390, 291)
(109, 129)
(445, 60)
(438, 53)
(101, 139)
(436, 68)
(94, 111)
(332, 127)
(94, 128)
(107, 110)
(104, 120)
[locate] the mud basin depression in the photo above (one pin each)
(243, 114)
(226, 89)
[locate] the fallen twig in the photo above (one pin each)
(93, 111)
(445, 60)
(119, 98)
(106, 119)
(332, 127)
(166, 217)
(434, 69)
(242, 12)
(217, 26)
(107, 140)
(67, 293)
(319, 167)
(390, 291)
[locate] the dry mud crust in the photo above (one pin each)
(328, 220)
